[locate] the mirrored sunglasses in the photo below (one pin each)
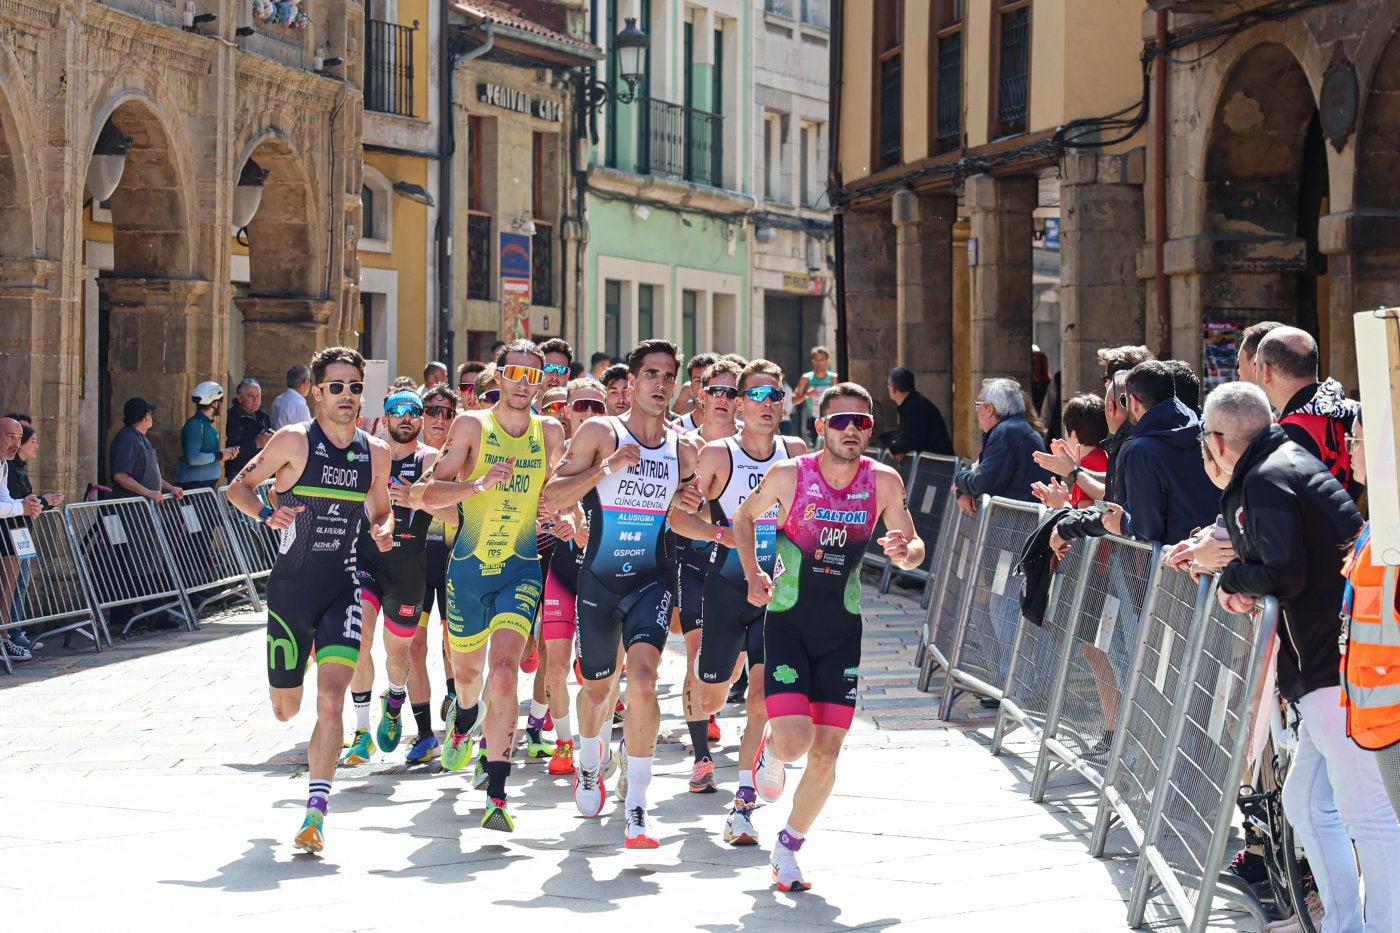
(514, 373)
(848, 419)
(765, 394)
(404, 410)
(557, 369)
(490, 396)
(439, 411)
(588, 406)
(722, 391)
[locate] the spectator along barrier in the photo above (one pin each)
(1138, 681)
(74, 567)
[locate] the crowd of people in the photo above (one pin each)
(1260, 486)
(563, 525)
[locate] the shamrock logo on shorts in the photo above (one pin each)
(785, 675)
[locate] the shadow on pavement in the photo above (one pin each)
(259, 870)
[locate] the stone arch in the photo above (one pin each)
(285, 257)
(17, 229)
(151, 220)
(1378, 135)
(1255, 145)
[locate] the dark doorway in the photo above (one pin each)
(792, 326)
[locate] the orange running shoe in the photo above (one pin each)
(713, 730)
(562, 761)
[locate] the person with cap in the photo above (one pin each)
(132, 459)
(200, 453)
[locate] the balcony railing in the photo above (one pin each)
(389, 67)
(1012, 78)
(542, 265)
(682, 142)
(949, 125)
(479, 255)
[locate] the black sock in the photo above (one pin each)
(424, 718)
(700, 737)
(496, 772)
(466, 718)
(452, 686)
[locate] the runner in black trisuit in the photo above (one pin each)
(330, 476)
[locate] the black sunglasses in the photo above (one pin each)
(730, 392)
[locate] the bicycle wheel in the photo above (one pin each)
(1293, 860)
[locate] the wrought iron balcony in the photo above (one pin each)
(681, 142)
(1013, 73)
(389, 67)
(949, 126)
(479, 255)
(542, 264)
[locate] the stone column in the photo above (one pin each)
(871, 308)
(39, 367)
(160, 340)
(1002, 298)
(1101, 232)
(278, 333)
(1363, 273)
(924, 251)
(967, 438)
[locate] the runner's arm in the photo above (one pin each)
(381, 516)
(713, 462)
(263, 467)
(588, 450)
(901, 541)
(439, 487)
(446, 513)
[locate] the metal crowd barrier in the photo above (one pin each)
(1034, 678)
(257, 542)
(940, 556)
(874, 553)
(1189, 827)
(1140, 747)
(1096, 662)
(125, 559)
(42, 583)
(991, 612)
(207, 559)
(945, 610)
(927, 493)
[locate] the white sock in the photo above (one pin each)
(746, 779)
(606, 734)
(361, 713)
(638, 780)
(563, 728)
(590, 753)
(538, 709)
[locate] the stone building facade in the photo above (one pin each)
(196, 104)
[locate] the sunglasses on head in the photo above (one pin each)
(404, 410)
(556, 369)
(439, 411)
(730, 392)
(588, 406)
(765, 394)
(554, 408)
(337, 387)
(848, 419)
(516, 373)
(490, 396)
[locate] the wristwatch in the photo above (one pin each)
(1073, 473)
(264, 513)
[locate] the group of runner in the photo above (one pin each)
(565, 519)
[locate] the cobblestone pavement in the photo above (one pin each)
(150, 786)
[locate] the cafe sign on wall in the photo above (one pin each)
(508, 98)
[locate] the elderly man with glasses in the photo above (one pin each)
(1007, 467)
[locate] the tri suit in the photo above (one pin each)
(313, 599)
(813, 629)
(624, 586)
(493, 576)
(731, 623)
(395, 580)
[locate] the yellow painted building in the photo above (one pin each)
(971, 142)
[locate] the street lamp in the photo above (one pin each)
(630, 46)
(248, 195)
(108, 162)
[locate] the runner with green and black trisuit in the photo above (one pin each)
(828, 503)
(330, 477)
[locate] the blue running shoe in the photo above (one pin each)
(424, 750)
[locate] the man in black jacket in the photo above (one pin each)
(1290, 522)
(921, 424)
(1007, 467)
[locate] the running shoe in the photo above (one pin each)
(702, 777)
(536, 745)
(738, 829)
(637, 837)
(619, 711)
(620, 761)
(712, 731)
(359, 750)
(458, 748)
(311, 838)
(769, 776)
(390, 725)
(479, 775)
(562, 761)
(445, 706)
(531, 662)
(497, 817)
(609, 767)
(589, 792)
(424, 750)
(786, 875)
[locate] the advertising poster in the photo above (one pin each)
(515, 286)
(1221, 352)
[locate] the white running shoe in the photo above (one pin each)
(769, 776)
(637, 837)
(738, 829)
(786, 875)
(589, 792)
